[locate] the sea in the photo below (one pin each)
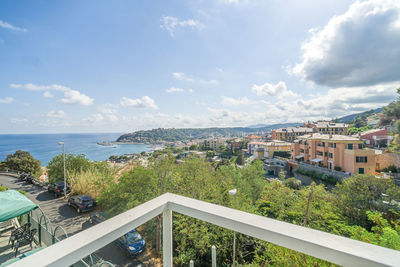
(45, 146)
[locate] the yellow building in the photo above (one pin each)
(327, 127)
(335, 152)
(290, 133)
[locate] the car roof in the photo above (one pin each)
(85, 197)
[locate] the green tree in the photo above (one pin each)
(361, 193)
(73, 164)
(194, 147)
(23, 161)
(240, 159)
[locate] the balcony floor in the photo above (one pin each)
(6, 252)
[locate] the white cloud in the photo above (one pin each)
(70, 96)
(190, 90)
(47, 94)
(95, 118)
(357, 48)
(174, 90)
(144, 102)
(172, 23)
(56, 114)
(76, 97)
(19, 120)
(278, 90)
(6, 100)
(7, 25)
(230, 101)
(108, 109)
(180, 76)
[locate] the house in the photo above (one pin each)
(290, 133)
(212, 144)
(335, 152)
(253, 145)
(328, 127)
(375, 137)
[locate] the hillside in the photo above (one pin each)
(173, 134)
(351, 118)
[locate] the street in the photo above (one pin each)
(61, 214)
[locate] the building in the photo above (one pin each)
(328, 127)
(212, 144)
(236, 144)
(386, 159)
(375, 137)
(290, 133)
(335, 152)
(254, 137)
(254, 145)
(276, 145)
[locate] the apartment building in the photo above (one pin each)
(212, 144)
(328, 127)
(335, 152)
(290, 134)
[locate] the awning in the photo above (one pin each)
(299, 156)
(14, 204)
(316, 160)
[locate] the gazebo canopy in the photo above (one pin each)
(14, 204)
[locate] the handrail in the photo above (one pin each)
(333, 248)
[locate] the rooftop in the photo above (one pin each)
(297, 129)
(325, 124)
(335, 137)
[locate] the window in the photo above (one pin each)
(362, 159)
(326, 154)
(301, 150)
(330, 145)
(323, 144)
(330, 155)
(360, 170)
(350, 146)
(319, 153)
(360, 146)
(334, 145)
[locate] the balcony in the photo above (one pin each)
(336, 249)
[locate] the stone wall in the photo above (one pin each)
(338, 175)
(384, 160)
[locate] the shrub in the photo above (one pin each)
(338, 168)
(293, 183)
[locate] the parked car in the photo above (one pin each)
(29, 179)
(22, 176)
(81, 203)
(57, 188)
(97, 217)
(132, 242)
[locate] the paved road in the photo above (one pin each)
(61, 214)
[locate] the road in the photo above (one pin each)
(61, 214)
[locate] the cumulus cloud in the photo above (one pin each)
(230, 101)
(70, 96)
(278, 90)
(170, 24)
(180, 76)
(174, 90)
(144, 102)
(7, 25)
(56, 114)
(76, 97)
(47, 94)
(357, 48)
(6, 100)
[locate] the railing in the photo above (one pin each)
(333, 248)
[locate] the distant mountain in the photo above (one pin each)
(274, 126)
(352, 117)
(172, 134)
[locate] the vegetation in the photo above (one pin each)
(23, 161)
(74, 165)
(355, 130)
(317, 175)
(361, 207)
(172, 135)
(391, 112)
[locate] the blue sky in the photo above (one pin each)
(119, 66)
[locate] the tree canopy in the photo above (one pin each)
(23, 161)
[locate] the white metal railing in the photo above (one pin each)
(333, 248)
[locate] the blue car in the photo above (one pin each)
(132, 242)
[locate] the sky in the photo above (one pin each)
(121, 66)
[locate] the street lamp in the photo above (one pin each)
(232, 192)
(65, 181)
